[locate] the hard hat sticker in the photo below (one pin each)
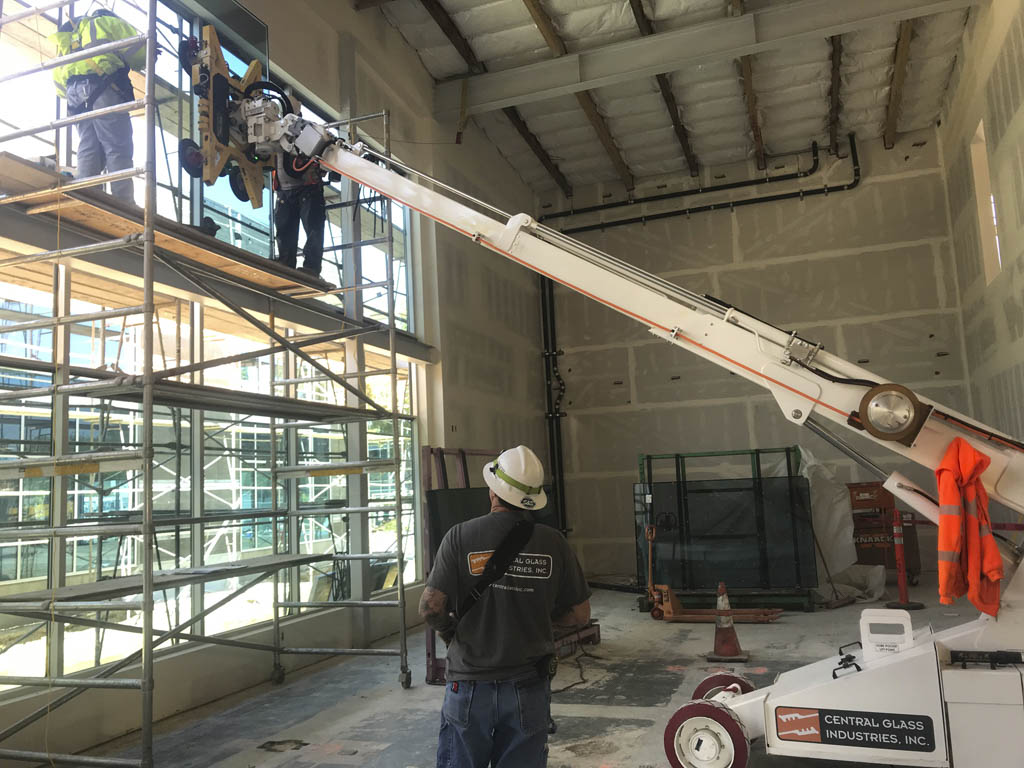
(872, 730)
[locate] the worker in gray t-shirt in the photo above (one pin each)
(498, 699)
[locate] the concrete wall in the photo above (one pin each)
(869, 273)
(990, 86)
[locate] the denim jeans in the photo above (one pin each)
(305, 204)
(501, 724)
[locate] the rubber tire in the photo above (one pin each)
(237, 183)
(190, 157)
(712, 684)
(657, 614)
(722, 715)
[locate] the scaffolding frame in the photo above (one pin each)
(60, 605)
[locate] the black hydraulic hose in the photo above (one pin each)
(275, 89)
(733, 204)
(815, 162)
(817, 371)
(837, 379)
(988, 434)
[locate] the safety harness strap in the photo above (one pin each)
(502, 557)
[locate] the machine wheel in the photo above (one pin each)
(657, 613)
(891, 412)
(238, 184)
(706, 734)
(714, 684)
(190, 157)
(405, 678)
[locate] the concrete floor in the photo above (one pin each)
(354, 713)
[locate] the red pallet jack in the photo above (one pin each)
(665, 606)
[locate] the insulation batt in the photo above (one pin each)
(792, 84)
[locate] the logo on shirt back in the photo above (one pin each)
(525, 566)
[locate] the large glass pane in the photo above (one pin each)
(381, 492)
(22, 643)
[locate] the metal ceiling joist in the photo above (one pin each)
(533, 143)
(760, 30)
(585, 99)
(899, 77)
(833, 112)
(457, 39)
(647, 28)
(750, 96)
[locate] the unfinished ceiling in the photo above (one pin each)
(892, 77)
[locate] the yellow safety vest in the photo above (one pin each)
(91, 31)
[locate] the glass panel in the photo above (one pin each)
(381, 491)
(22, 644)
(231, 542)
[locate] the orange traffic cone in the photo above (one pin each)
(727, 644)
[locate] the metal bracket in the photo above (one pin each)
(515, 226)
(799, 350)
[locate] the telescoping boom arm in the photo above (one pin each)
(810, 385)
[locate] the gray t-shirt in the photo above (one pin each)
(509, 630)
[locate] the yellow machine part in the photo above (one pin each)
(218, 152)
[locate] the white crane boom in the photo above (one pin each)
(936, 711)
(806, 380)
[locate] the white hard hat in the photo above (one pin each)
(517, 476)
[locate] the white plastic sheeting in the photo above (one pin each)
(792, 85)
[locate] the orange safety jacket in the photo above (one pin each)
(969, 559)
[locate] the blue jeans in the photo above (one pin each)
(501, 724)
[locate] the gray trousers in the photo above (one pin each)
(104, 143)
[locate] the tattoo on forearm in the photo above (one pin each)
(434, 609)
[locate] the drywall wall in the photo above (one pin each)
(869, 273)
(990, 87)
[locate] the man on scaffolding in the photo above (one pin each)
(104, 142)
(300, 198)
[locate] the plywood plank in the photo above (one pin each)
(109, 217)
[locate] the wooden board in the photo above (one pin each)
(111, 218)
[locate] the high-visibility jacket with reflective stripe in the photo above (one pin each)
(969, 559)
(91, 31)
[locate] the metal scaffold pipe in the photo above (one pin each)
(149, 533)
(128, 106)
(86, 53)
(30, 12)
